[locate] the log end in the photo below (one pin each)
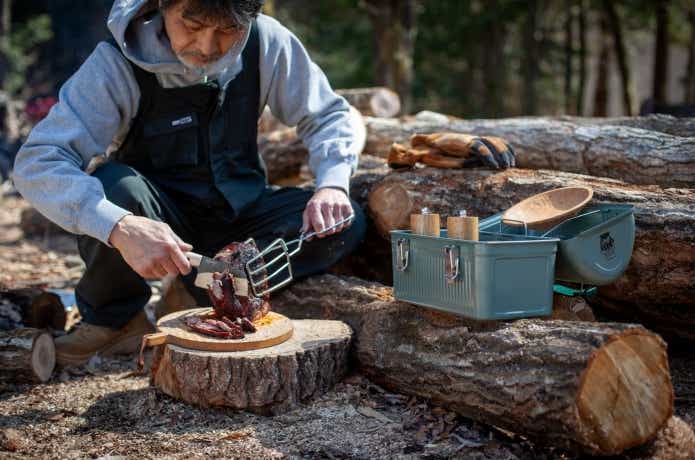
(43, 357)
(385, 103)
(391, 207)
(626, 394)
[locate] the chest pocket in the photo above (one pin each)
(173, 142)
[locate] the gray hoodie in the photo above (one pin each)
(98, 103)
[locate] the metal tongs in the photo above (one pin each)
(257, 273)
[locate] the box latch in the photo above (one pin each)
(451, 263)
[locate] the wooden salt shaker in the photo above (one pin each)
(426, 223)
(462, 227)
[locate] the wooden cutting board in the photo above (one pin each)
(272, 329)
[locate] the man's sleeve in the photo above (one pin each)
(95, 104)
(298, 94)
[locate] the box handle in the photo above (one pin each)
(568, 220)
(451, 263)
(402, 254)
(523, 223)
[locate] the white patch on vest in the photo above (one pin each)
(182, 121)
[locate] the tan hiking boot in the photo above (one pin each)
(87, 339)
(175, 297)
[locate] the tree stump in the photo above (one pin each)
(268, 380)
(26, 355)
(599, 388)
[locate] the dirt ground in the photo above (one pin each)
(108, 410)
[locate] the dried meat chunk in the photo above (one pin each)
(227, 302)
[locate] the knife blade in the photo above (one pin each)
(207, 266)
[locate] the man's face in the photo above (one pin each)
(197, 41)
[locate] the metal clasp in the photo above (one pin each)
(402, 254)
(451, 263)
(523, 223)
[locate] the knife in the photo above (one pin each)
(207, 266)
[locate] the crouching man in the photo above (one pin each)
(175, 101)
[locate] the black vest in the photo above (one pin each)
(200, 152)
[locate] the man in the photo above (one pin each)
(176, 100)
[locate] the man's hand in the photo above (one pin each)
(151, 248)
(325, 208)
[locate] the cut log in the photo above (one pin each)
(35, 225)
(370, 102)
(268, 123)
(597, 387)
(284, 153)
(267, 380)
(619, 151)
(682, 127)
(658, 287)
(26, 355)
(373, 102)
(39, 308)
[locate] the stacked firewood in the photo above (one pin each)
(648, 162)
(645, 161)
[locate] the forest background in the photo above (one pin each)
(468, 58)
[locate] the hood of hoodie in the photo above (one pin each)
(139, 32)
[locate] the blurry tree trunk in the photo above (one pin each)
(690, 74)
(620, 53)
(494, 72)
(394, 23)
(6, 24)
(661, 51)
(531, 68)
(6, 18)
(569, 51)
(601, 91)
(582, 57)
(269, 7)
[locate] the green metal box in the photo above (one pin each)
(499, 277)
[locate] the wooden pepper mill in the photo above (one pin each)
(426, 223)
(462, 227)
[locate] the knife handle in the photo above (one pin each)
(193, 258)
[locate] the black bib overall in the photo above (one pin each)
(193, 162)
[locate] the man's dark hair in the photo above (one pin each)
(241, 12)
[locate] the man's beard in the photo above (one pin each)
(185, 60)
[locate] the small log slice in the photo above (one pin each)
(26, 355)
(272, 329)
(268, 380)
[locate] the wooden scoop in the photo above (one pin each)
(549, 208)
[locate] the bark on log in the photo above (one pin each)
(597, 387)
(26, 355)
(373, 102)
(284, 153)
(35, 224)
(38, 307)
(634, 155)
(268, 380)
(268, 123)
(658, 288)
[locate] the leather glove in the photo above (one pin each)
(490, 151)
